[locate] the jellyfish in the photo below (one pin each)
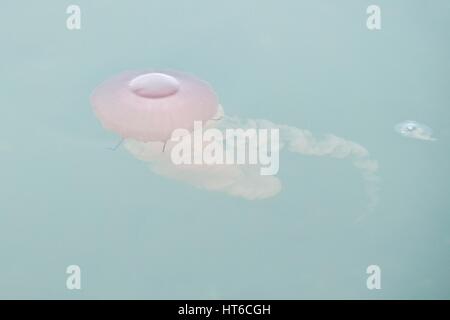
(415, 130)
(147, 106)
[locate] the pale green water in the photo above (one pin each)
(66, 199)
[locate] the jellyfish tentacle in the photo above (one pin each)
(117, 145)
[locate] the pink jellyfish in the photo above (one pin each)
(149, 105)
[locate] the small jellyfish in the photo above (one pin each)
(415, 130)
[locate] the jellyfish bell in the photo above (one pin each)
(415, 130)
(149, 105)
(406, 126)
(410, 127)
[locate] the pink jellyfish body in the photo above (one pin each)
(149, 105)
